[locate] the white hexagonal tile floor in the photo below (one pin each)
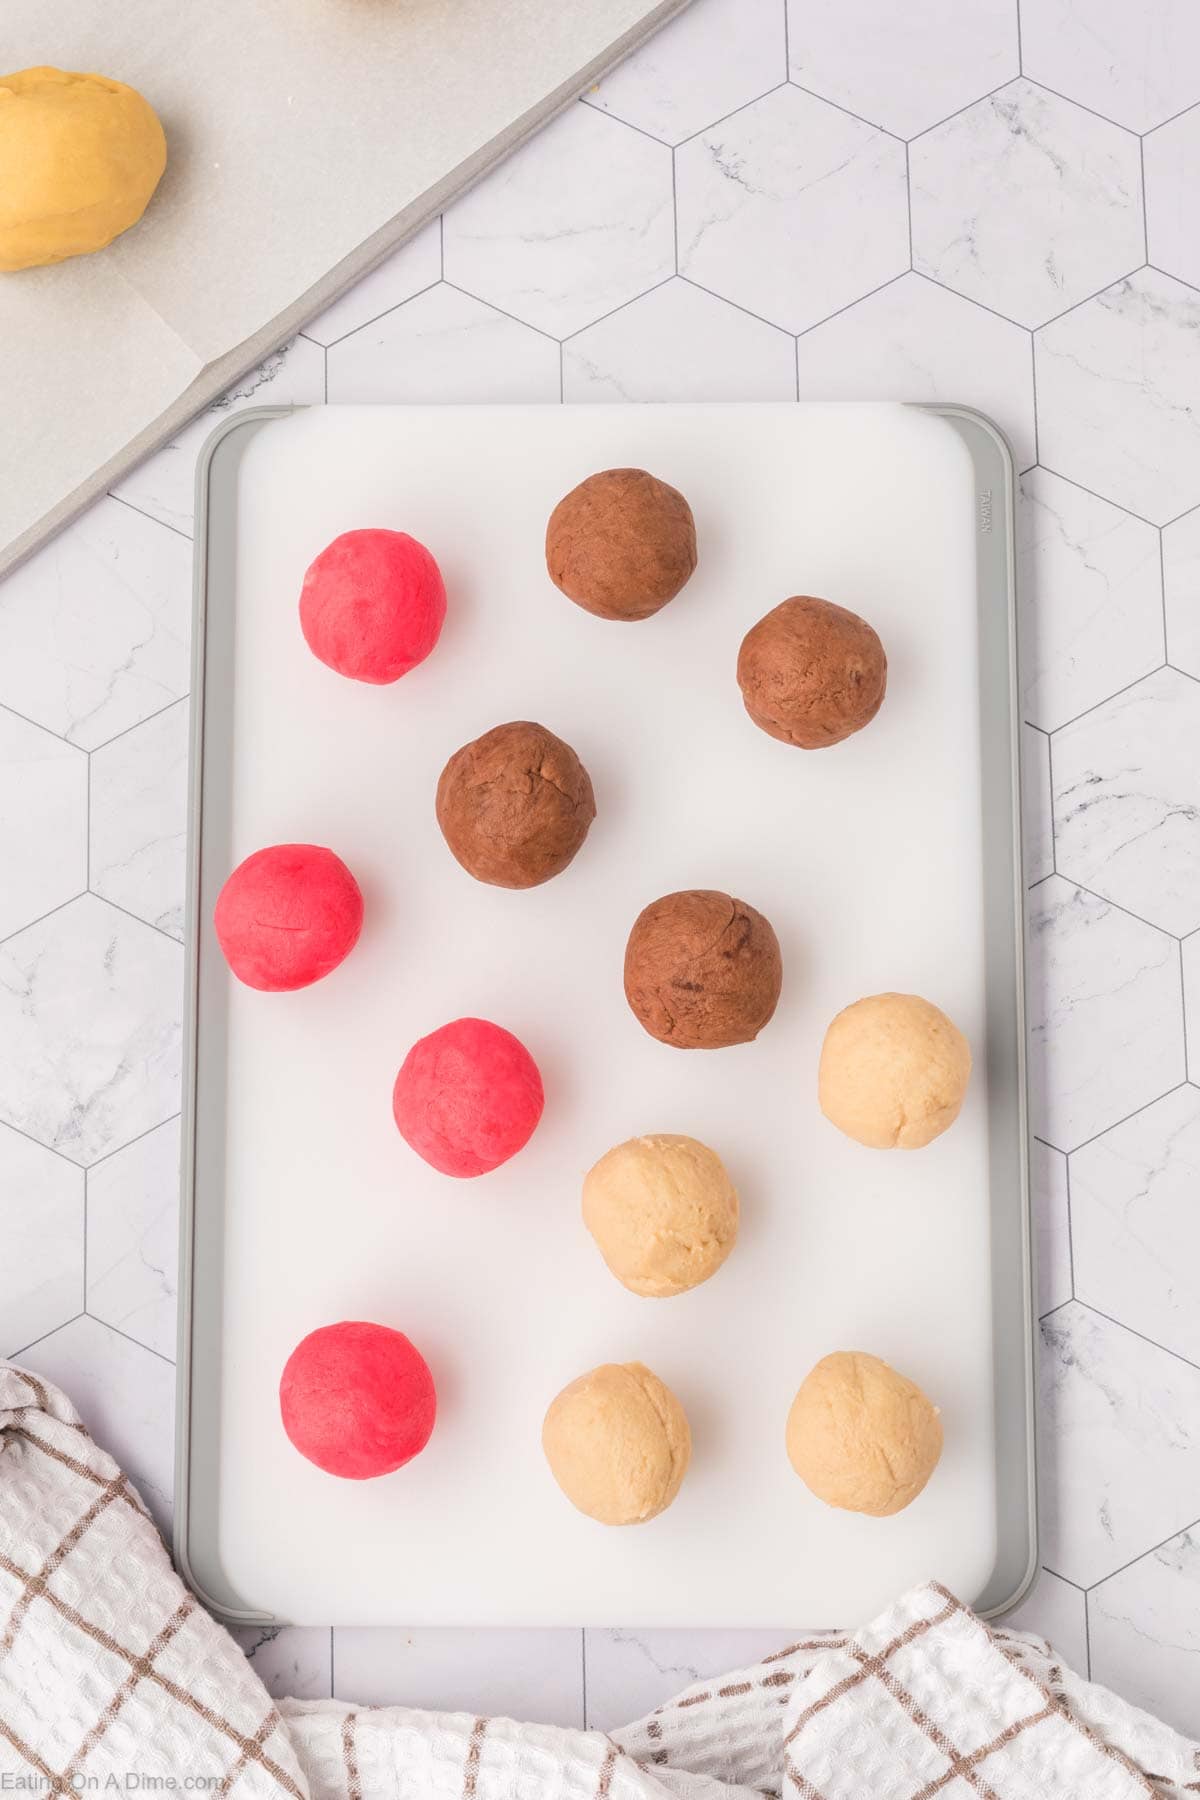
(759, 190)
(94, 628)
(1135, 63)
(1118, 383)
(1050, 1196)
(90, 1004)
(133, 1238)
(1181, 592)
(163, 487)
(914, 340)
(1036, 810)
(41, 1228)
(1120, 1465)
(1172, 155)
(1127, 800)
(43, 822)
(988, 222)
(1190, 949)
(1058, 1612)
(407, 272)
(716, 57)
(138, 819)
(576, 223)
(1105, 1018)
(445, 346)
(291, 1661)
(904, 68)
(679, 343)
(1136, 1224)
(1089, 589)
(1144, 1625)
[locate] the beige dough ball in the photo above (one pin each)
(80, 156)
(618, 1444)
(663, 1212)
(862, 1436)
(894, 1071)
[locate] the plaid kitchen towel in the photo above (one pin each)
(114, 1680)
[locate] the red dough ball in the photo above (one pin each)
(468, 1097)
(287, 916)
(372, 605)
(357, 1399)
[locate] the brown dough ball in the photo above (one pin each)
(811, 673)
(621, 544)
(515, 805)
(862, 1436)
(702, 970)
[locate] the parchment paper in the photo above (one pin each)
(306, 139)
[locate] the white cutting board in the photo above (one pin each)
(867, 860)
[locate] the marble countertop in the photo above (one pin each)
(829, 199)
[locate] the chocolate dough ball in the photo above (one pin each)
(811, 673)
(515, 805)
(621, 544)
(702, 970)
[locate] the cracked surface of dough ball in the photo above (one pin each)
(515, 805)
(894, 1072)
(663, 1212)
(862, 1436)
(618, 1443)
(621, 544)
(80, 156)
(702, 970)
(811, 673)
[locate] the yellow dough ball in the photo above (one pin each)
(80, 156)
(618, 1444)
(663, 1212)
(861, 1436)
(894, 1072)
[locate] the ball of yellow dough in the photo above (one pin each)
(862, 1436)
(618, 1443)
(80, 156)
(663, 1212)
(894, 1071)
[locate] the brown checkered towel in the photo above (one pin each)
(114, 1680)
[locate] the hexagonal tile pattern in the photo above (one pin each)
(1026, 203)
(914, 340)
(679, 343)
(139, 819)
(1145, 1631)
(1089, 590)
(1105, 1024)
(126, 1398)
(43, 822)
(90, 1004)
(94, 627)
(1036, 814)
(1172, 157)
(1057, 1612)
(133, 1238)
(445, 346)
(1190, 949)
(164, 485)
(1136, 1225)
(717, 56)
(903, 67)
(1181, 592)
(1134, 64)
(1050, 1196)
(1118, 384)
(758, 193)
(1127, 800)
(1120, 1459)
(576, 223)
(406, 272)
(41, 1229)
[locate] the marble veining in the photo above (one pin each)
(773, 199)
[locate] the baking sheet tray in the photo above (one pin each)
(890, 862)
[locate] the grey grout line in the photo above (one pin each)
(1187, 1064)
(890, 282)
(1082, 105)
(87, 819)
(152, 517)
(1074, 1584)
(1163, 123)
(108, 1325)
(838, 106)
(1070, 1229)
(128, 1142)
(1096, 704)
(965, 107)
(86, 1216)
(733, 113)
(1033, 386)
(908, 202)
(137, 726)
(675, 210)
(665, 281)
(1104, 1130)
(1180, 1531)
(1020, 39)
(562, 373)
(137, 919)
(1106, 900)
(374, 320)
(1145, 204)
(1050, 780)
(724, 300)
(1086, 300)
(970, 300)
(505, 314)
(1162, 594)
(50, 1148)
(42, 1336)
(38, 726)
(1186, 513)
(619, 119)
(787, 37)
(1108, 501)
(41, 918)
